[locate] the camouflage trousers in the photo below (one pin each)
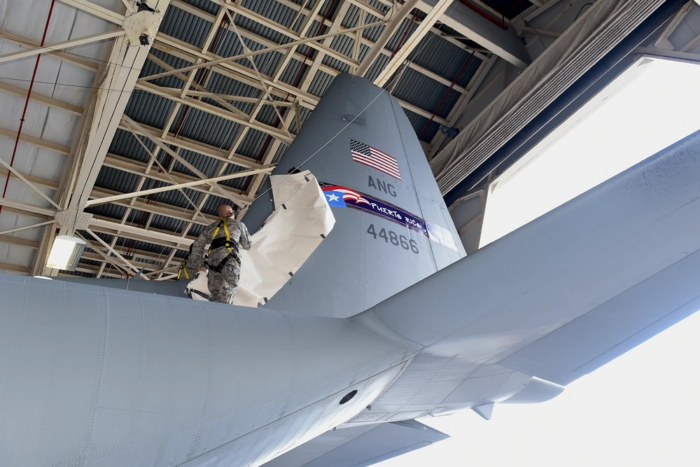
(223, 285)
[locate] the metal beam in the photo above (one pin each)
(139, 168)
(7, 267)
(462, 102)
(118, 72)
(29, 184)
(185, 51)
(139, 264)
(124, 65)
(28, 208)
(61, 45)
(303, 96)
(161, 209)
(19, 241)
(81, 62)
(669, 54)
(336, 26)
(310, 41)
(40, 98)
(111, 250)
(26, 227)
(34, 141)
(188, 80)
(162, 189)
(412, 42)
(503, 42)
(389, 30)
(34, 179)
(196, 146)
(174, 95)
(96, 10)
(146, 234)
(291, 34)
(182, 161)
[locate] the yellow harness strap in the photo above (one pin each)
(183, 270)
(226, 231)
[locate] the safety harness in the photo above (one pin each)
(227, 243)
(183, 266)
(216, 243)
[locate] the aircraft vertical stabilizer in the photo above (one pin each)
(392, 226)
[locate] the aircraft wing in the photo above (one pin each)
(360, 446)
(575, 288)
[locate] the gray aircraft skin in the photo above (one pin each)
(387, 321)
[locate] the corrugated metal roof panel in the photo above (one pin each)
(206, 127)
(379, 64)
(235, 183)
(407, 28)
(419, 124)
(275, 11)
(137, 218)
(291, 74)
(207, 5)
(167, 223)
(220, 84)
(426, 93)
(252, 144)
(125, 144)
(353, 15)
(176, 199)
(268, 115)
(320, 83)
(144, 246)
(304, 113)
(148, 108)
(280, 153)
(445, 59)
(112, 211)
(344, 45)
(185, 26)
(113, 179)
(151, 68)
(229, 45)
(205, 164)
(195, 231)
(213, 202)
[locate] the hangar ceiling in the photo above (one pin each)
(148, 114)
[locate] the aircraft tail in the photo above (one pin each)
(392, 226)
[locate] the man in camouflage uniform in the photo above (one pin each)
(223, 262)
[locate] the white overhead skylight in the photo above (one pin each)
(649, 107)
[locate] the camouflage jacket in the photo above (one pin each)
(239, 234)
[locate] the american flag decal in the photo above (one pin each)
(372, 157)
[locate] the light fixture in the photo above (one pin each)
(65, 253)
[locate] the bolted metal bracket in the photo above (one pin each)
(141, 27)
(71, 221)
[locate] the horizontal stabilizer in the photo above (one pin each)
(577, 287)
(360, 446)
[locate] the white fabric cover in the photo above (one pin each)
(286, 240)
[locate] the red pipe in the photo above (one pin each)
(447, 93)
(26, 102)
(403, 37)
(498, 22)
